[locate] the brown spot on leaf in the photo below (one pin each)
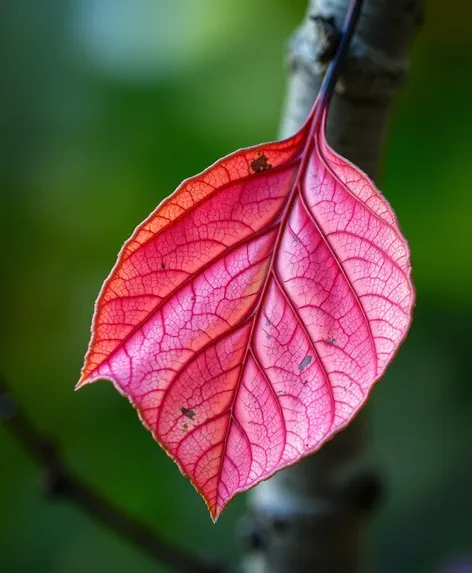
(189, 413)
(304, 363)
(331, 340)
(260, 164)
(163, 266)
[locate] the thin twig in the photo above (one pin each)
(60, 482)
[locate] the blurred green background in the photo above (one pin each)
(105, 106)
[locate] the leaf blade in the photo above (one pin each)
(256, 325)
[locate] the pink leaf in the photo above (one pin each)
(248, 318)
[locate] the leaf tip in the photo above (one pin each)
(215, 512)
(85, 379)
(81, 383)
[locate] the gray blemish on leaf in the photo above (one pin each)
(189, 413)
(304, 363)
(331, 340)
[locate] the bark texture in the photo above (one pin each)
(311, 517)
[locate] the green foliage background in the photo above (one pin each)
(107, 105)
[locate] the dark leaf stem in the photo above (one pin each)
(332, 72)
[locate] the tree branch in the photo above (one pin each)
(60, 482)
(312, 516)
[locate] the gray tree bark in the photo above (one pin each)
(311, 517)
